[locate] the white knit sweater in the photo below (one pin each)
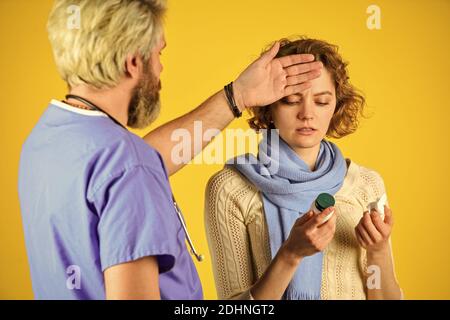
(239, 241)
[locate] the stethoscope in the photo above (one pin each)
(199, 257)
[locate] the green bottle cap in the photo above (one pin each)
(324, 200)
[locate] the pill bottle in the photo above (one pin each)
(323, 201)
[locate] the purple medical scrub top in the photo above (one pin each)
(94, 195)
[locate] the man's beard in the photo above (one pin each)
(145, 104)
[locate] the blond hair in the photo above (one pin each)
(95, 52)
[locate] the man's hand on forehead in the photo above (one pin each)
(269, 79)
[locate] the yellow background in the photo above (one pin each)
(403, 70)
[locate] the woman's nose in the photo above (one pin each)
(306, 110)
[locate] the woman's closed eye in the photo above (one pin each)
(296, 100)
(291, 100)
(322, 103)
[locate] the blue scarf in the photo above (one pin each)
(289, 188)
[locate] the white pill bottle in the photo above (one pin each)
(322, 202)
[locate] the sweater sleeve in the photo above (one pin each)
(374, 189)
(227, 200)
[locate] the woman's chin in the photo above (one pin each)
(305, 142)
(299, 141)
(301, 146)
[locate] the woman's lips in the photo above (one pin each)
(306, 131)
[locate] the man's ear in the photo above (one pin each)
(133, 66)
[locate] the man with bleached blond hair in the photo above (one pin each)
(99, 217)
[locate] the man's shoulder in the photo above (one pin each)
(97, 145)
(128, 150)
(127, 158)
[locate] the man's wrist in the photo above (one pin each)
(238, 96)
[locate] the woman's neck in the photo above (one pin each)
(309, 155)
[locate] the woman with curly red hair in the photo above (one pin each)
(264, 239)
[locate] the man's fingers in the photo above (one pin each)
(299, 88)
(295, 59)
(303, 68)
(298, 79)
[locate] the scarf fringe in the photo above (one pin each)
(294, 295)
